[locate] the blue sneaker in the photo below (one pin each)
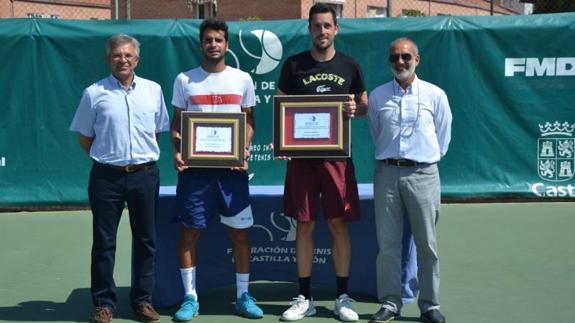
(188, 310)
(246, 306)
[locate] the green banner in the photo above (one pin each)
(510, 83)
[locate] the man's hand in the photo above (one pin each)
(246, 166)
(277, 157)
(350, 106)
(179, 162)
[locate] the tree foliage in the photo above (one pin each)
(551, 6)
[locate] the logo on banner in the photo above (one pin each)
(555, 159)
(2, 161)
(258, 52)
(286, 232)
(546, 66)
(555, 151)
(269, 54)
(280, 230)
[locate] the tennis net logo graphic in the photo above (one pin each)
(281, 230)
(556, 151)
(269, 54)
(286, 227)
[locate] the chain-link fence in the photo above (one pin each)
(270, 9)
(56, 9)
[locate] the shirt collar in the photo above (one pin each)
(413, 88)
(115, 81)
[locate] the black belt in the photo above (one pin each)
(128, 168)
(401, 162)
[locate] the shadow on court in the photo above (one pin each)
(74, 309)
(215, 305)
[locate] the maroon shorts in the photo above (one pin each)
(309, 181)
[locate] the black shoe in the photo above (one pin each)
(383, 315)
(432, 316)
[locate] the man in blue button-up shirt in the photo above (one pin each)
(118, 121)
(410, 121)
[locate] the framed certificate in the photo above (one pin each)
(311, 126)
(213, 139)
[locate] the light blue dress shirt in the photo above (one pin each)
(410, 124)
(122, 122)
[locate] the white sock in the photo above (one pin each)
(189, 280)
(242, 281)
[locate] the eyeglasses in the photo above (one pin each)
(119, 57)
(394, 58)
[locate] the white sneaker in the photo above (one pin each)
(300, 308)
(343, 309)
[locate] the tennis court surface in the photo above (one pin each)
(500, 263)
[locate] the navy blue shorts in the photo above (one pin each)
(204, 192)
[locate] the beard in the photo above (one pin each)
(404, 75)
(214, 59)
(322, 47)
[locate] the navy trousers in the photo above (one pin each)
(109, 190)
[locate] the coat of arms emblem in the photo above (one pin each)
(556, 151)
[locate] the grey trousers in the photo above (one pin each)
(412, 193)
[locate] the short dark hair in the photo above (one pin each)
(213, 24)
(321, 7)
